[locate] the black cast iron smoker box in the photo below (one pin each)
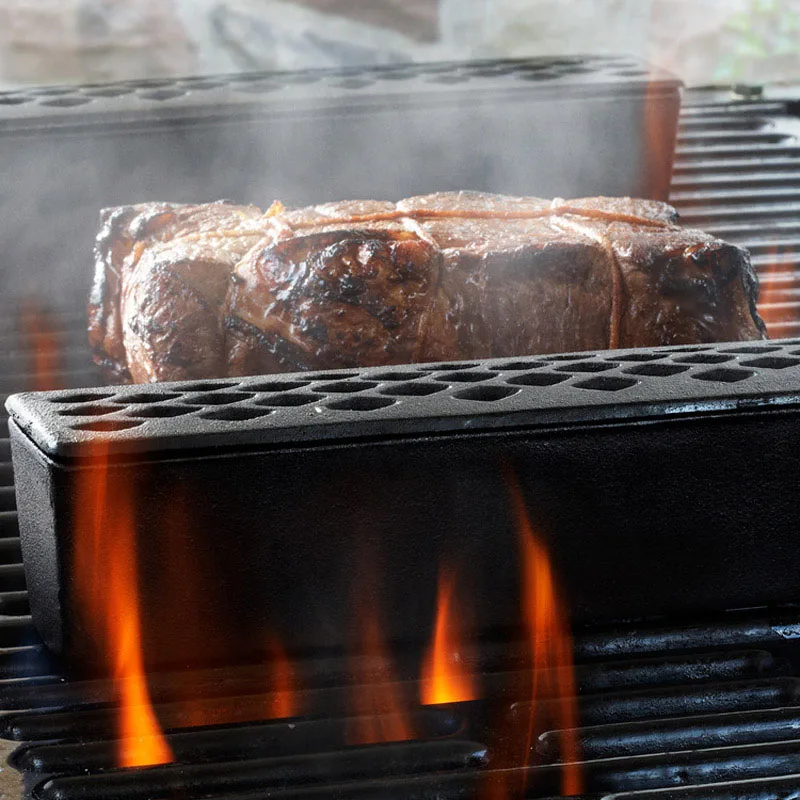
(663, 481)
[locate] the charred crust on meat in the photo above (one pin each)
(366, 283)
(749, 279)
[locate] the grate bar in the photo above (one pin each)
(699, 767)
(6, 474)
(741, 179)
(704, 109)
(711, 217)
(9, 526)
(783, 788)
(743, 196)
(688, 733)
(776, 252)
(8, 498)
(725, 138)
(273, 773)
(249, 742)
(680, 701)
(731, 167)
(723, 122)
(168, 687)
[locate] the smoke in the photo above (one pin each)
(560, 128)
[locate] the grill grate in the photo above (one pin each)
(705, 710)
(668, 711)
(737, 175)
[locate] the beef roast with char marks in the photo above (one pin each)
(216, 290)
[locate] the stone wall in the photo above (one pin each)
(59, 41)
(45, 41)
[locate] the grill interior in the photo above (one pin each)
(703, 708)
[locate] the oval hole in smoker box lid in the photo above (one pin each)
(397, 376)
(724, 375)
(81, 397)
(288, 400)
(219, 398)
(276, 386)
(361, 403)
(87, 410)
(771, 362)
(606, 383)
(107, 425)
(144, 397)
(161, 412)
(208, 386)
(658, 370)
(235, 414)
(348, 387)
(538, 379)
(465, 377)
(412, 389)
(490, 393)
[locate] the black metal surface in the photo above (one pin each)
(668, 482)
(313, 408)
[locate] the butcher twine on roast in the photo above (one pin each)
(195, 291)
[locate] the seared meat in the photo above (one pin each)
(199, 291)
(161, 278)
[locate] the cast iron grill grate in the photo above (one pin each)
(702, 710)
(737, 175)
(683, 708)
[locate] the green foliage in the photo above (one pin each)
(766, 29)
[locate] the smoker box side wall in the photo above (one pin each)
(40, 520)
(669, 518)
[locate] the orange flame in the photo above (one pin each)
(378, 703)
(106, 574)
(445, 677)
(775, 304)
(44, 345)
(552, 674)
(284, 698)
(376, 697)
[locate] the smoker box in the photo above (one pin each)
(551, 127)
(663, 482)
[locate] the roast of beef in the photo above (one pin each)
(191, 291)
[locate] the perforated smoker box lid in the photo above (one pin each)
(415, 400)
(259, 92)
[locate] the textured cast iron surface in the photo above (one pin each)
(672, 492)
(413, 400)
